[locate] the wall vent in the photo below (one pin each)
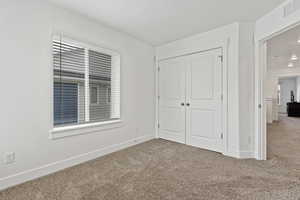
(291, 7)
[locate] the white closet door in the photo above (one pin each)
(172, 99)
(204, 100)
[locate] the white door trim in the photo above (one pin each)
(156, 72)
(224, 46)
(260, 105)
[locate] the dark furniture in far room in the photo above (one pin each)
(293, 109)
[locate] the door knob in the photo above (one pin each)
(182, 104)
(188, 104)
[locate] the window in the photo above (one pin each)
(83, 78)
(108, 93)
(94, 95)
(65, 103)
(279, 94)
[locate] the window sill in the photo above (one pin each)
(68, 131)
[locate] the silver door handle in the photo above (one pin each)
(188, 104)
(182, 104)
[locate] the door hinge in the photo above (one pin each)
(222, 97)
(158, 125)
(259, 106)
(154, 58)
(221, 57)
(158, 97)
(222, 136)
(158, 69)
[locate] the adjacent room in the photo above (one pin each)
(282, 96)
(148, 100)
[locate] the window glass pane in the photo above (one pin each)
(94, 95)
(108, 94)
(65, 103)
(69, 87)
(100, 65)
(278, 94)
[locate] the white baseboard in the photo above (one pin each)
(60, 165)
(240, 154)
(178, 139)
(246, 154)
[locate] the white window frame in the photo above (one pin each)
(72, 130)
(279, 94)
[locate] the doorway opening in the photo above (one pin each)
(281, 96)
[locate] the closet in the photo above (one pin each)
(190, 99)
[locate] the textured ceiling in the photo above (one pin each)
(281, 48)
(161, 21)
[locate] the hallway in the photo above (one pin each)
(284, 142)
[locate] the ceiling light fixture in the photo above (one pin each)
(294, 57)
(290, 65)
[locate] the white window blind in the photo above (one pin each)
(82, 77)
(94, 95)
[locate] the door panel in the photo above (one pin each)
(204, 90)
(172, 95)
(201, 78)
(206, 127)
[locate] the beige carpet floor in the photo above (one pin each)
(163, 170)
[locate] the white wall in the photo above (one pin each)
(271, 84)
(286, 85)
(246, 87)
(26, 82)
(240, 78)
(297, 98)
(270, 91)
(272, 78)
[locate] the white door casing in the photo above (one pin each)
(172, 99)
(204, 100)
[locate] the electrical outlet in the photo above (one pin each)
(9, 158)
